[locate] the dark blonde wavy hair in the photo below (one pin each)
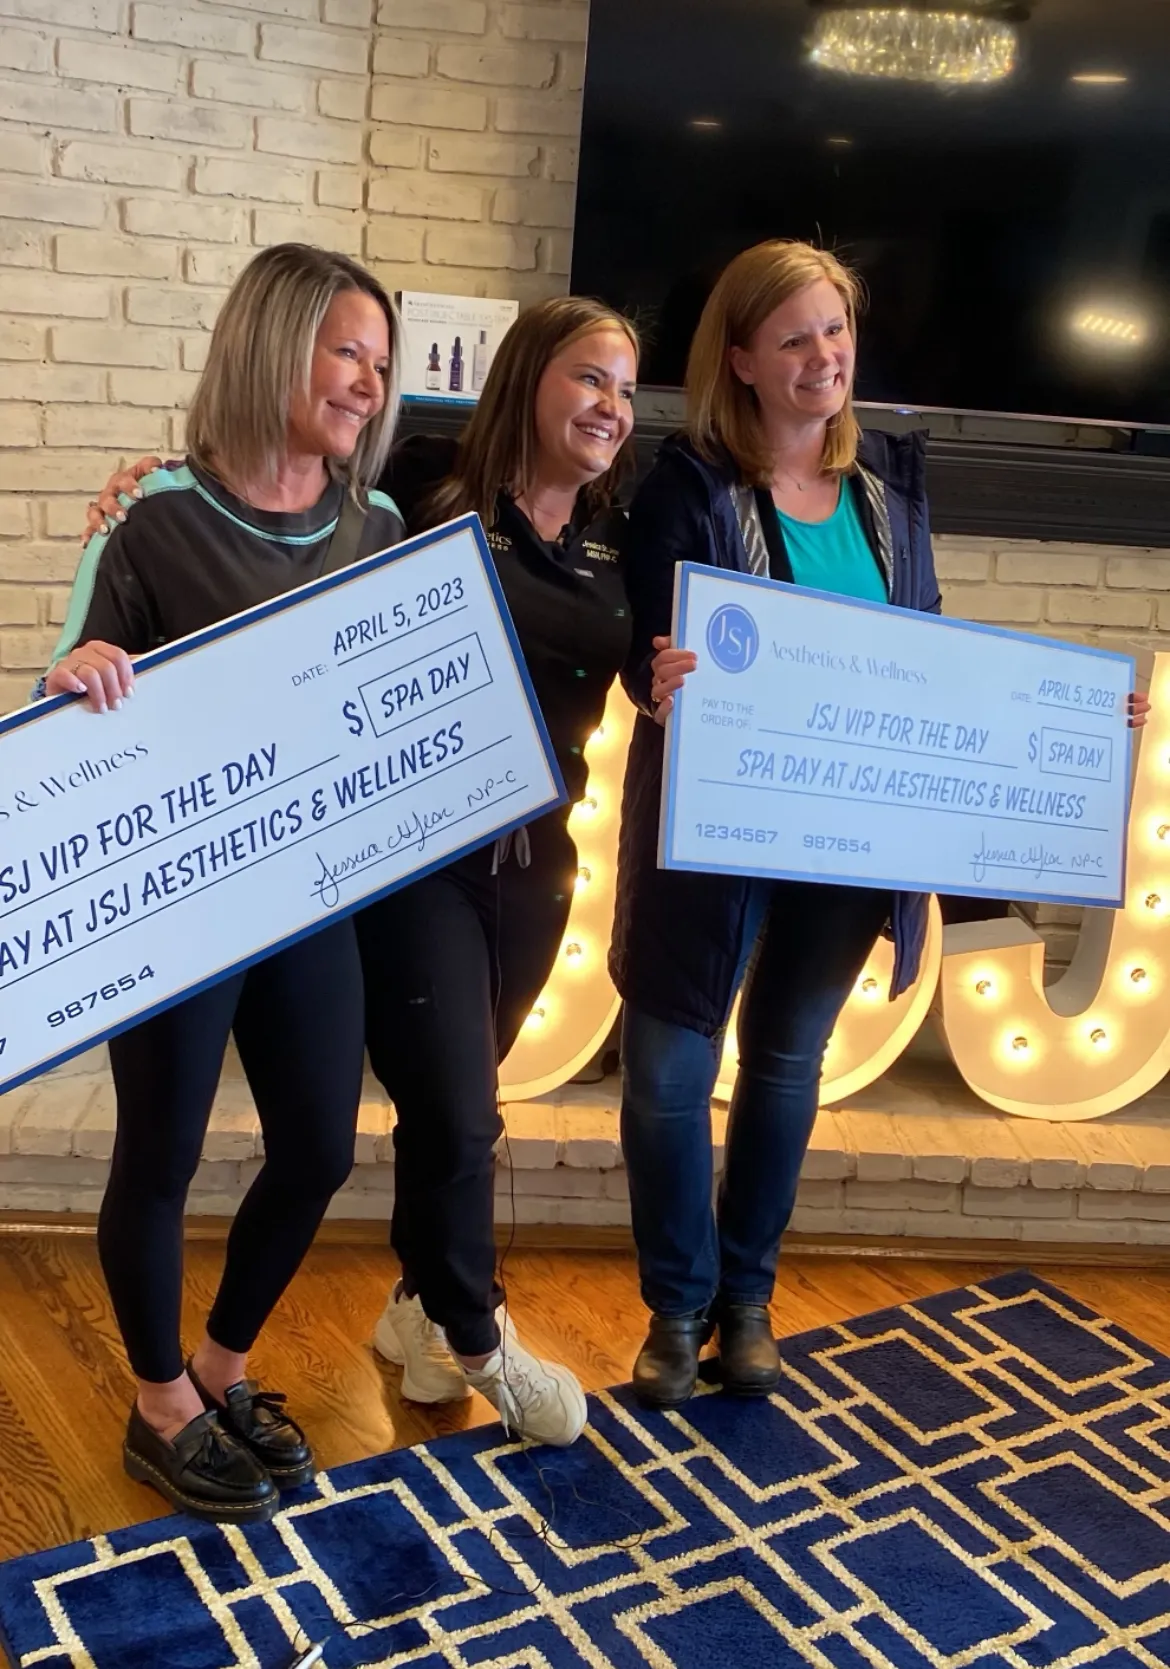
(261, 355)
(723, 413)
(498, 449)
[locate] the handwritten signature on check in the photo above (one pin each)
(1033, 860)
(414, 830)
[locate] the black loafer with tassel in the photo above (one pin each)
(201, 1470)
(257, 1419)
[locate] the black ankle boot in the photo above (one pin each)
(749, 1360)
(668, 1362)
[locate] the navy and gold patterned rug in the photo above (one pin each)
(974, 1480)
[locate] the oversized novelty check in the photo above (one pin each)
(269, 775)
(838, 741)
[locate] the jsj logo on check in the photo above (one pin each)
(732, 638)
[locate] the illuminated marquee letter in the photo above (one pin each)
(1100, 1036)
(573, 1015)
(575, 1012)
(871, 1032)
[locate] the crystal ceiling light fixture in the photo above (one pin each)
(945, 42)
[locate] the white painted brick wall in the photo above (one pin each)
(147, 150)
(1091, 593)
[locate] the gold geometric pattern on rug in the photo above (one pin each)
(979, 1479)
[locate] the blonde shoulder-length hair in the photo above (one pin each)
(261, 356)
(723, 413)
(499, 447)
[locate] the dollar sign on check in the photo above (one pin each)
(1033, 747)
(350, 710)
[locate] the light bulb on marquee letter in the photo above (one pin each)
(1093, 1042)
(1099, 1037)
(575, 1012)
(871, 1032)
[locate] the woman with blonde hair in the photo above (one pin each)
(772, 477)
(454, 962)
(289, 430)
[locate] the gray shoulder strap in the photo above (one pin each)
(875, 491)
(347, 536)
(747, 514)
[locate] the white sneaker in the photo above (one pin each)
(406, 1336)
(535, 1399)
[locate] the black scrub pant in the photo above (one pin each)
(453, 964)
(297, 1021)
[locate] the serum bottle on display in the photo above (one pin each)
(479, 363)
(456, 383)
(434, 370)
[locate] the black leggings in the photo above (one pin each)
(452, 967)
(297, 1021)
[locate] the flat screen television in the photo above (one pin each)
(998, 170)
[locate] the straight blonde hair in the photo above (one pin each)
(498, 449)
(261, 357)
(723, 413)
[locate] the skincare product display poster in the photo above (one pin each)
(450, 343)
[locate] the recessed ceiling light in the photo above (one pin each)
(840, 140)
(705, 124)
(1099, 78)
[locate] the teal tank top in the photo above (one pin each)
(834, 555)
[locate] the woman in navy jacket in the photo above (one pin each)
(772, 477)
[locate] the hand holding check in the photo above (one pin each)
(101, 671)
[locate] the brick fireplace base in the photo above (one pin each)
(914, 1158)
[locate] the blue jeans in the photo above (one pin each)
(804, 947)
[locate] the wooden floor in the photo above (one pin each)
(65, 1387)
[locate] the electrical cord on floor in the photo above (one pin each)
(606, 1062)
(543, 1531)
